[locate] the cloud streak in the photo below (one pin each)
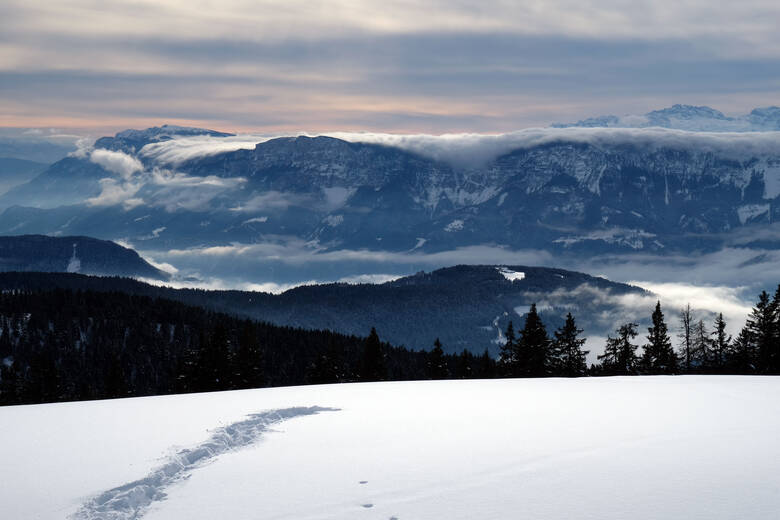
(133, 185)
(476, 149)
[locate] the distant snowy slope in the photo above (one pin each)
(690, 118)
(611, 448)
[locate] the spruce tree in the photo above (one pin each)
(619, 356)
(437, 366)
(568, 358)
(486, 366)
(762, 327)
(464, 368)
(508, 360)
(659, 356)
(372, 366)
(741, 354)
(721, 344)
(533, 348)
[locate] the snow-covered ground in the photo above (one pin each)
(613, 448)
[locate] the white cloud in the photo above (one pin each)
(119, 163)
(84, 146)
(255, 220)
(370, 278)
(270, 200)
(114, 192)
(291, 250)
(470, 150)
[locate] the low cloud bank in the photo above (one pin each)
(470, 150)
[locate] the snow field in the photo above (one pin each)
(601, 448)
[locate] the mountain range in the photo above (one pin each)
(689, 117)
(605, 190)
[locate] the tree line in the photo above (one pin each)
(64, 344)
(756, 350)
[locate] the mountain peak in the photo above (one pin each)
(687, 112)
(132, 140)
(688, 117)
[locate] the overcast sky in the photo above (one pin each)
(445, 66)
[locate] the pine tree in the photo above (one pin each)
(372, 366)
(659, 356)
(619, 356)
(721, 344)
(437, 366)
(533, 348)
(686, 335)
(567, 356)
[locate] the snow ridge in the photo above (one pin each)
(132, 500)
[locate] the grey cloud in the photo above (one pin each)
(486, 81)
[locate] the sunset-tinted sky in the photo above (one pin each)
(399, 66)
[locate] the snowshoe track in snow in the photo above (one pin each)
(131, 501)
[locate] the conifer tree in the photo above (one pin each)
(373, 367)
(659, 356)
(328, 366)
(508, 359)
(248, 360)
(533, 348)
(437, 366)
(741, 353)
(487, 366)
(619, 356)
(762, 327)
(568, 358)
(721, 344)
(464, 369)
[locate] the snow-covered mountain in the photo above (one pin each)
(563, 190)
(609, 448)
(689, 117)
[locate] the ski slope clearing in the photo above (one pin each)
(636, 448)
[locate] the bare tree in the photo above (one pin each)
(686, 336)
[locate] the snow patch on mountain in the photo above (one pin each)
(334, 220)
(455, 225)
(510, 275)
(74, 264)
(633, 238)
